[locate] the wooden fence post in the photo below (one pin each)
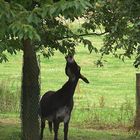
(137, 118)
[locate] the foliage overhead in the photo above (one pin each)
(41, 21)
(44, 22)
(119, 21)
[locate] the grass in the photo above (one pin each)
(108, 102)
(11, 131)
(10, 98)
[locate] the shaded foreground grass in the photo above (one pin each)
(10, 130)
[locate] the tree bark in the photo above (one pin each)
(137, 118)
(30, 93)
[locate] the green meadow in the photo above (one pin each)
(11, 131)
(101, 107)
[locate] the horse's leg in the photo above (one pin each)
(66, 127)
(55, 128)
(42, 129)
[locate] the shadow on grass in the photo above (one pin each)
(12, 132)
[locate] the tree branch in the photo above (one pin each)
(98, 34)
(86, 34)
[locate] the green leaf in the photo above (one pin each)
(3, 58)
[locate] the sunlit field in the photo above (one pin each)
(106, 103)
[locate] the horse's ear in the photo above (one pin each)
(84, 78)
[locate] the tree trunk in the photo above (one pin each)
(137, 118)
(30, 93)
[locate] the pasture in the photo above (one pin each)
(105, 104)
(11, 131)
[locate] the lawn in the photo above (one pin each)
(107, 102)
(11, 131)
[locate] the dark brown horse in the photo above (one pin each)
(56, 106)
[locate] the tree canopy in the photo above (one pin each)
(42, 22)
(119, 21)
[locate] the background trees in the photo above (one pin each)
(119, 21)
